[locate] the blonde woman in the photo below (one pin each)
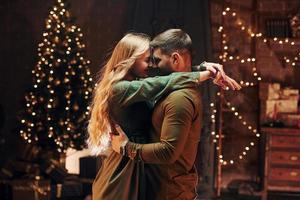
(121, 99)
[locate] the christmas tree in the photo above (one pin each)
(56, 107)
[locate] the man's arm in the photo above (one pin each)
(149, 89)
(178, 116)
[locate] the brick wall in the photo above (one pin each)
(269, 64)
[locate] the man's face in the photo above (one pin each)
(163, 62)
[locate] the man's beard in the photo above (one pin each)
(156, 71)
(153, 71)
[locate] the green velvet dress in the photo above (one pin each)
(121, 178)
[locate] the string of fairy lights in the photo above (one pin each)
(225, 57)
(250, 60)
(59, 40)
(289, 61)
(292, 61)
(249, 127)
(243, 27)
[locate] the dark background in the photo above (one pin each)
(103, 23)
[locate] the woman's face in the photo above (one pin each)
(140, 66)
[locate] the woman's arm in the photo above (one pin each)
(151, 89)
(220, 78)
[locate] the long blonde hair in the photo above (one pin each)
(128, 49)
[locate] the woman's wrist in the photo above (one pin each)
(213, 71)
(203, 76)
(211, 68)
(212, 74)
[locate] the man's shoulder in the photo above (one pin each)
(184, 96)
(185, 92)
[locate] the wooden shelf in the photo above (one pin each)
(282, 159)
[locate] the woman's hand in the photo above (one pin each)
(221, 78)
(226, 82)
(215, 68)
(118, 141)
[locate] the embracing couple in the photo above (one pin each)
(148, 128)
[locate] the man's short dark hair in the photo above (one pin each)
(172, 40)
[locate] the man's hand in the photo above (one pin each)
(119, 140)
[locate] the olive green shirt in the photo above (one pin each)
(177, 125)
